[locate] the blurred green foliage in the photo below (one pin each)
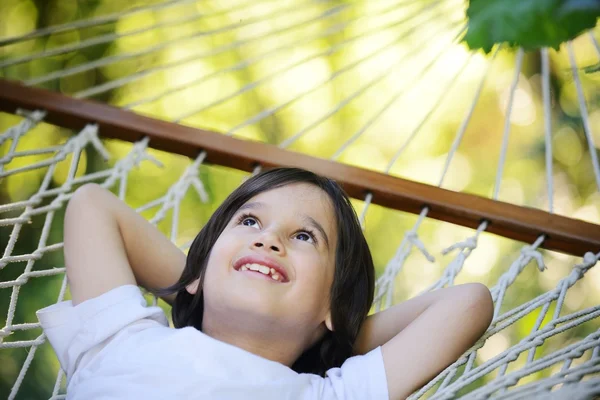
(528, 24)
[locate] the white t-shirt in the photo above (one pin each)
(116, 347)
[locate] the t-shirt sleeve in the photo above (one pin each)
(360, 377)
(77, 331)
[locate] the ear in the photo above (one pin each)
(328, 322)
(192, 288)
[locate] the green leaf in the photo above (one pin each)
(592, 69)
(530, 24)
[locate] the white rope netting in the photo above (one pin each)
(541, 344)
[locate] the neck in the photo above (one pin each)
(266, 340)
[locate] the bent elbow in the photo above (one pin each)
(86, 193)
(480, 305)
(84, 198)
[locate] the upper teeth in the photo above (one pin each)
(262, 269)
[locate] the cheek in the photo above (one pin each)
(223, 251)
(214, 287)
(320, 270)
(317, 279)
(219, 259)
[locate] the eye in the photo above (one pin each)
(306, 237)
(248, 220)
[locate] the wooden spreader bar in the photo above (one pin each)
(520, 223)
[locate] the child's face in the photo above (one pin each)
(291, 231)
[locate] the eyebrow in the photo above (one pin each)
(252, 206)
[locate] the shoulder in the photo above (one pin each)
(359, 377)
(75, 332)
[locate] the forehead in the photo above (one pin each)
(299, 199)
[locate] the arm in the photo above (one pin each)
(424, 335)
(107, 244)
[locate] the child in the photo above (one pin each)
(270, 303)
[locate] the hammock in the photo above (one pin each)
(283, 83)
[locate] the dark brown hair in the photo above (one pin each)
(353, 283)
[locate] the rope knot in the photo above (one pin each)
(577, 353)
(511, 381)
(537, 342)
(413, 238)
(589, 260)
(513, 355)
(147, 157)
(529, 252)
(467, 244)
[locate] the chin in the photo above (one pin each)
(241, 301)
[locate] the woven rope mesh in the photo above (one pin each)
(384, 85)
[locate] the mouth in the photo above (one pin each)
(261, 265)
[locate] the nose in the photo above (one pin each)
(270, 242)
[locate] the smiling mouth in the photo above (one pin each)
(264, 270)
